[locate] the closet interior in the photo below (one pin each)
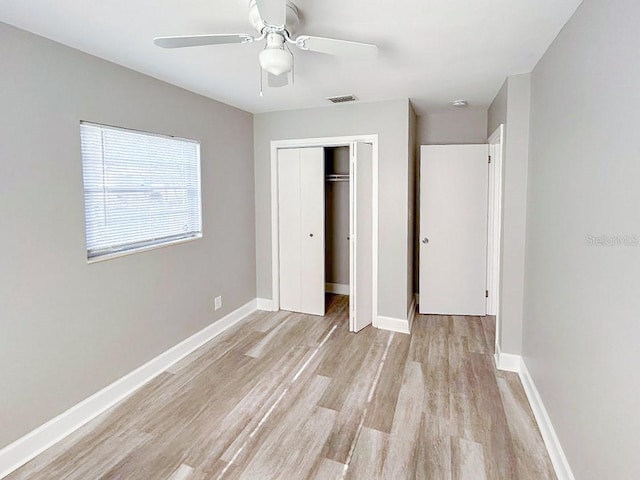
(337, 226)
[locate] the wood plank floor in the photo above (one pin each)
(291, 396)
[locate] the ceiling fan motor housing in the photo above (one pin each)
(292, 18)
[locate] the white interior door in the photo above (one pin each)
(289, 229)
(453, 229)
(301, 229)
(361, 217)
(312, 278)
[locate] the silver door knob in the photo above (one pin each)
(425, 240)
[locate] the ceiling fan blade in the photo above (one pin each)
(198, 40)
(273, 12)
(336, 47)
(277, 81)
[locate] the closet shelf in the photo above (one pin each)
(337, 178)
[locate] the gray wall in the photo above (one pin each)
(511, 108)
(581, 329)
(69, 328)
(337, 218)
(457, 126)
(390, 121)
(497, 112)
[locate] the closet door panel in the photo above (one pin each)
(312, 230)
(363, 228)
(289, 229)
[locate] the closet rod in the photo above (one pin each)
(337, 178)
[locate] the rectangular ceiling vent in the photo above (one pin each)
(342, 99)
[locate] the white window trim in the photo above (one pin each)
(161, 244)
(131, 251)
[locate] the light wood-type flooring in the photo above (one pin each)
(292, 396)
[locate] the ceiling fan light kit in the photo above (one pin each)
(276, 21)
(275, 59)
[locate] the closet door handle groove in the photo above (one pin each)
(311, 234)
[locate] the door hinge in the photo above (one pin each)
(486, 294)
(489, 158)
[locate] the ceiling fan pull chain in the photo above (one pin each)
(261, 75)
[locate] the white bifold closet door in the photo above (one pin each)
(361, 235)
(301, 229)
(453, 229)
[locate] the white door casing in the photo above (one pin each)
(494, 220)
(453, 229)
(276, 147)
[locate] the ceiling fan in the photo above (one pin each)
(275, 21)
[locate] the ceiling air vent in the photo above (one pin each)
(342, 99)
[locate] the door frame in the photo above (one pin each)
(275, 230)
(494, 231)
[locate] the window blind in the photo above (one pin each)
(140, 189)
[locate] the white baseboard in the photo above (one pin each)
(400, 325)
(394, 324)
(337, 288)
(558, 458)
(515, 363)
(265, 304)
(507, 361)
(24, 449)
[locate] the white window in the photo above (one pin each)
(140, 190)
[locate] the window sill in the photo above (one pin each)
(124, 253)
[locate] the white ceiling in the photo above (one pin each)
(431, 51)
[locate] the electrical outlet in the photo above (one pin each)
(218, 303)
